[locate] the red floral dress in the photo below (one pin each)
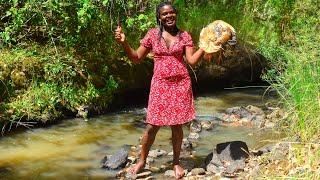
(170, 98)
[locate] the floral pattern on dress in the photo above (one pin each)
(170, 99)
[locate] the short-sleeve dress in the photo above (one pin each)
(170, 99)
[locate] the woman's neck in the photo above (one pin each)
(173, 31)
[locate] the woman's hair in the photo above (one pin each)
(158, 15)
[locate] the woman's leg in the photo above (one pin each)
(147, 140)
(177, 136)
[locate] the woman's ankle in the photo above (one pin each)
(175, 162)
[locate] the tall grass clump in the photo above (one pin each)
(296, 69)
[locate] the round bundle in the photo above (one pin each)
(215, 35)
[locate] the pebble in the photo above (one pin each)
(195, 127)
(169, 173)
(144, 174)
(207, 125)
(157, 153)
(193, 136)
(198, 171)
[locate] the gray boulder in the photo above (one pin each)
(116, 161)
(228, 157)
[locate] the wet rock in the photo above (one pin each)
(194, 144)
(132, 159)
(130, 176)
(259, 121)
(229, 157)
(116, 161)
(250, 116)
(193, 137)
(263, 150)
(241, 112)
(233, 150)
(121, 174)
(198, 171)
(154, 169)
(157, 153)
(186, 144)
(145, 174)
(213, 163)
(276, 113)
(235, 166)
(255, 110)
(216, 160)
(187, 164)
(83, 111)
(164, 167)
(231, 118)
(269, 124)
(150, 160)
(195, 126)
(207, 125)
(169, 173)
(214, 168)
(218, 116)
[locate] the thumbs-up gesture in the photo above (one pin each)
(119, 35)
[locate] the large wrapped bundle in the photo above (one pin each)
(215, 35)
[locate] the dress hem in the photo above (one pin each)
(178, 123)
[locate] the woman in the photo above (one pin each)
(170, 100)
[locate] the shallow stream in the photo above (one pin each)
(74, 148)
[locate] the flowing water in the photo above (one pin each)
(74, 148)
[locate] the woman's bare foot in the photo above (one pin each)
(137, 168)
(178, 171)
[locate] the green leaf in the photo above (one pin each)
(105, 2)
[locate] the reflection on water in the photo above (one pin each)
(74, 148)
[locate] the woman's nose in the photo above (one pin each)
(170, 14)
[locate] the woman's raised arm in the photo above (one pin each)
(135, 55)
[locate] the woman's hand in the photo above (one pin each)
(119, 35)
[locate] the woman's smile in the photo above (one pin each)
(168, 16)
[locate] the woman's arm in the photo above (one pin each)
(135, 55)
(193, 57)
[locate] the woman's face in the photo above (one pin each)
(168, 16)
